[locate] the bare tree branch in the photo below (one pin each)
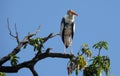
(51, 35)
(32, 62)
(10, 32)
(33, 71)
(18, 47)
(38, 29)
(17, 38)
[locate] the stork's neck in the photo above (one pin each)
(69, 18)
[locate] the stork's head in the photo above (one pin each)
(71, 13)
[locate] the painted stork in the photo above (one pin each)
(67, 29)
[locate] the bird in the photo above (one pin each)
(67, 29)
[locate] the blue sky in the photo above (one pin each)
(98, 20)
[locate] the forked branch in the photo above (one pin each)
(10, 32)
(30, 63)
(19, 46)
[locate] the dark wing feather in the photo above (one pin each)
(62, 28)
(73, 29)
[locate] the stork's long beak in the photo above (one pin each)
(74, 13)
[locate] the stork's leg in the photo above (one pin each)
(71, 50)
(64, 49)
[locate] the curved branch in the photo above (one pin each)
(32, 62)
(33, 71)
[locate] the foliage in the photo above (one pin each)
(85, 50)
(14, 60)
(100, 45)
(98, 64)
(37, 43)
(79, 62)
(2, 74)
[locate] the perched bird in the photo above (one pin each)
(67, 28)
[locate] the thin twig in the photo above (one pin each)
(56, 35)
(10, 32)
(17, 38)
(38, 29)
(30, 35)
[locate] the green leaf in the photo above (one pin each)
(89, 53)
(41, 40)
(14, 60)
(81, 62)
(105, 47)
(2, 74)
(100, 45)
(85, 50)
(85, 45)
(37, 43)
(101, 63)
(31, 41)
